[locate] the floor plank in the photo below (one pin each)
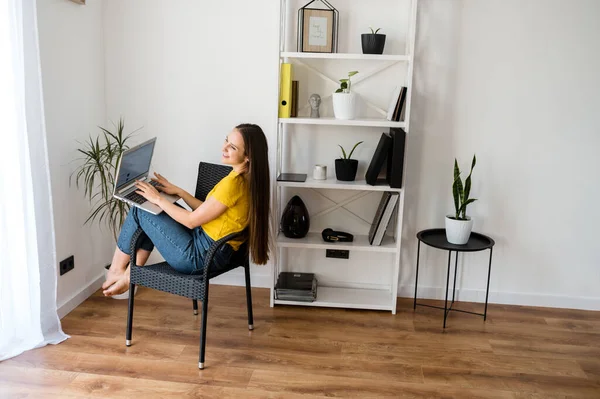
(302, 352)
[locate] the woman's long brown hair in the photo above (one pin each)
(259, 176)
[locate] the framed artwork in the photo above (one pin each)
(317, 28)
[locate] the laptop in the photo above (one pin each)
(135, 165)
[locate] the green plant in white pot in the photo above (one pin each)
(96, 174)
(459, 225)
(344, 100)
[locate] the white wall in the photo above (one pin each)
(72, 58)
(189, 71)
(517, 83)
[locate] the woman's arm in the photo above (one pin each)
(205, 212)
(189, 199)
(169, 188)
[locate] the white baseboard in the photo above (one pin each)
(262, 280)
(234, 278)
(505, 298)
(77, 299)
(237, 278)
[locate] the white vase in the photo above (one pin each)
(344, 105)
(124, 295)
(458, 231)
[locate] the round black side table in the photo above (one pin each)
(437, 238)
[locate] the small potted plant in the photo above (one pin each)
(344, 100)
(373, 43)
(345, 167)
(459, 225)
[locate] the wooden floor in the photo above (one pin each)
(298, 352)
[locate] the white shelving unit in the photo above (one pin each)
(354, 294)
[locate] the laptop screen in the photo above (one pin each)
(135, 163)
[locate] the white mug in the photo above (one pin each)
(320, 172)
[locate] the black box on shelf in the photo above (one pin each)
(293, 286)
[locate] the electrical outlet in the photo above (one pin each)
(67, 265)
(337, 253)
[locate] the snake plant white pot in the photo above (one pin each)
(344, 105)
(458, 231)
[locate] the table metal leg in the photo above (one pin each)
(417, 274)
(447, 284)
(455, 265)
(487, 289)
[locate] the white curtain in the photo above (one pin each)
(28, 317)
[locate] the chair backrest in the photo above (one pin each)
(209, 174)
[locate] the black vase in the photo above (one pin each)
(345, 169)
(295, 220)
(372, 43)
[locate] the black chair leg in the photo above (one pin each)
(203, 328)
(249, 297)
(130, 315)
(195, 302)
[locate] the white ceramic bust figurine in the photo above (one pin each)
(315, 101)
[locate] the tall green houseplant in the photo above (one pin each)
(461, 192)
(97, 174)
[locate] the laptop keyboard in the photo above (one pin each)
(138, 199)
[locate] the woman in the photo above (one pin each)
(183, 237)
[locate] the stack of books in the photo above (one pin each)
(293, 286)
(382, 217)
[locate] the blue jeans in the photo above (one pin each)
(184, 249)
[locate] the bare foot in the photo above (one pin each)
(112, 277)
(118, 287)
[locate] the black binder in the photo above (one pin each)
(379, 157)
(385, 198)
(395, 161)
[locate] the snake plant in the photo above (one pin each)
(461, 192)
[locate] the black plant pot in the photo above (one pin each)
(345, 169)
(373, 43)
(295, 220)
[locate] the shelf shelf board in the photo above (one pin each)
(332, 183)
(315, 241)
(346, 56)
(373, 122)
(349, 298)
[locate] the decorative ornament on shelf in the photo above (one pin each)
(345, 167)
(314, 101)
(318, 24)
(372, 43)
(459, 225)
(295, 220)
(344, 100)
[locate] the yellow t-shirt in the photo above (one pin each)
(231, 191)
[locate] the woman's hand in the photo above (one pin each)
(147, 191)
(164, 185)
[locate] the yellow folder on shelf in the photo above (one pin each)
(285, 91)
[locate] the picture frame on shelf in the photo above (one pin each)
(318, 28)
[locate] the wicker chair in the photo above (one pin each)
(162, 277)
